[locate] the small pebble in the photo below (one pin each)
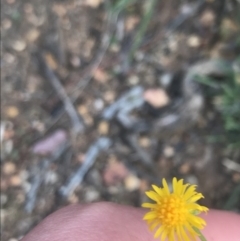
(13, 239)
(12, 111)
(208, 18)
(73, 199)
(144, 142)
(156, 97)
(91, 195)
(19, 45)
(133, 80)
(98, 104)
(32, 35)
(109, 96)
(93, 3)
(9, 168)
(101, 76)
(103, 128)
(132, 183)
(75, 61)
(185, 168)
(165, 80)
(168, 151)
(15, 181)
(194, 41)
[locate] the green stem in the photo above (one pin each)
(200, 235)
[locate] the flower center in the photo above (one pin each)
(172, 211)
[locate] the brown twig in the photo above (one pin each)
(68, 105)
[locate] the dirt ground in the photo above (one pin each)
(75, 94)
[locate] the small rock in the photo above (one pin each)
(168, 151)
(207, 18)
(109, 96)
(32, 35)
(131, 22)
(103, 128)
(9, 168)
(185, 168)
(133, 80)
(51, 61)
(194, 41)
(73, 199)
(15, 181)
(132, 183)
(13, 239)
(165, 80)
(93, 3)
(12, 111)
(98, 104)
(156, 97)
(75, 61)
(115, 172)
(82, 110)
(144, 142)
(91, 195)
(101, 76)
(19, 45)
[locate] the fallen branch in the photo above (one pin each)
(69, 108)
(101, 144)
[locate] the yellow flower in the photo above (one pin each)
(174, 215)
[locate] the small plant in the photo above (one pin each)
(227, 102)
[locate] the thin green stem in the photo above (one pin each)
(200, 235)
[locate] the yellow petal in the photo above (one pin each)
(158, 232)
(174, 183)
(149, 205)
(180, 187)
(153, 226)
(190, 192)
(150, 215)
(165, 186)
(154, 196)
(196, 197)
(184, 235)
(157, 190)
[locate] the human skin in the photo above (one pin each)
(113, 222)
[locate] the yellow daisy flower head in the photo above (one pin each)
(174, 215)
